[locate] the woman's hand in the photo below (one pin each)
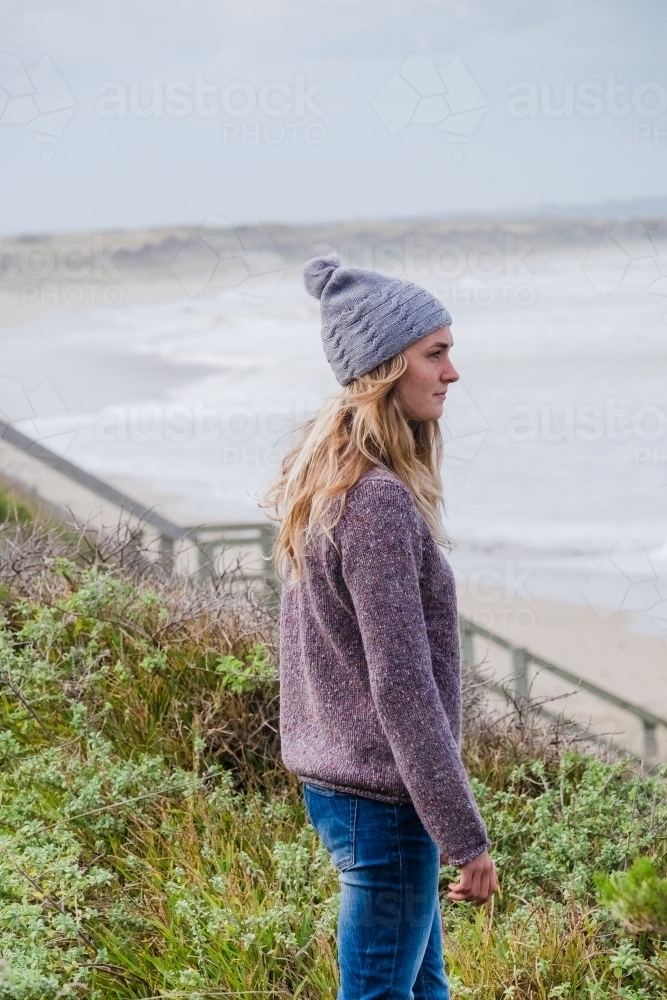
(477, 881)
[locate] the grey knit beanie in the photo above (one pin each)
(368, 318)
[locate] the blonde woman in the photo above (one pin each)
(370, 682)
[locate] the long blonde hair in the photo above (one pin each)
(360, 427)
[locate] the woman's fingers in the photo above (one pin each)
(477, 882)
(489, 883)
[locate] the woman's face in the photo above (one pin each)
(422, 387)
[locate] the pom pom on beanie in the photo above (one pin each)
(317, 272)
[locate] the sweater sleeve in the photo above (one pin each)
(380, 543)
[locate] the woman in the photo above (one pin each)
(370, 684)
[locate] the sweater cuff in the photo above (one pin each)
(470, 855)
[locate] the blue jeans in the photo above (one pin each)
(389, 930)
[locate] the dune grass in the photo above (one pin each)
(14, 510)
(151, 845)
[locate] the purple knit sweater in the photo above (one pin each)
(369, 667)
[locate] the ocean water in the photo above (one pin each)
(556, 433)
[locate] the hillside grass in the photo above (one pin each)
(152, 845)
(13, 508)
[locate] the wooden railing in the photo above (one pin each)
(519, 688)
(211, 543)
(215, 541)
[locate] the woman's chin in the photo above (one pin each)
(430, 412)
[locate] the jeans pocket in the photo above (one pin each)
(334, 816)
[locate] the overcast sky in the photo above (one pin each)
(133, 113)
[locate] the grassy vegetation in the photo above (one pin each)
(151, 845)
(13, 510)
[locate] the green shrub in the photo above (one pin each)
(240, 677)
(151, 845)
(637, 897)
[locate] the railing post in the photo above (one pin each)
(166, 553)
(467, 646)
(206, 559)
(520, 673)
(266, 537)
(650, 739)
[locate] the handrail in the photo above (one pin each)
(567, 675)
(206, 537)
(36, 450)
(613, 699)
(522, 657)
